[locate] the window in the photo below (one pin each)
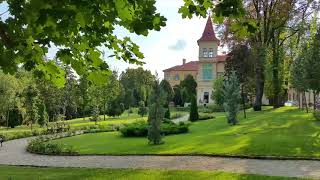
(205, 52)
(207, 71)
(210, 52)
(177, 78)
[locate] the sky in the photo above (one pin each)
(162, 49)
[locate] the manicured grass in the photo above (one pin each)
(284, 132)
(31, 173)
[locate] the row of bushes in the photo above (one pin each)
(20, 134)
(140, 128)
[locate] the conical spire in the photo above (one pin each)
(208, 32)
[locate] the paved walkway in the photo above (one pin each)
(14, 153)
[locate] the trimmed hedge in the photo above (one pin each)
(205, 116)
(316, 115)
(140, 129)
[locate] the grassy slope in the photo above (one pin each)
(80, 122)
(281, 132)
(31, 173)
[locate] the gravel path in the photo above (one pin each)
(181, 119)
(14, 153)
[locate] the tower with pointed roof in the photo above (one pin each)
(211, 65)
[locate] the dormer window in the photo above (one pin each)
(210, 52)
(205, 52)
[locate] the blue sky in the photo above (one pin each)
(165, 48)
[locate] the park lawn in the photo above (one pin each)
(31, 173)
(283, 132)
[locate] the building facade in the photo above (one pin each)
(209, 66)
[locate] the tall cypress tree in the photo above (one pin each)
(232, 98)
(156, 113)
(194, 115)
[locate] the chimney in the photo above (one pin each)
(183, 61)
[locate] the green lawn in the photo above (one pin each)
(286, 132)
(31, 173)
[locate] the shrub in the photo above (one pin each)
(194, 115)
(143, 110)
(140, 129)
(176, 116)
(39, 146)
(316, 115)
(205, 116)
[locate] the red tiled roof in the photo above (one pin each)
(193, 65)
(221, 58)
(190, 66)
(208, 33)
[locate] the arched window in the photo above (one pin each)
(205, 52)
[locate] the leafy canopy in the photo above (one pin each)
(78, 29)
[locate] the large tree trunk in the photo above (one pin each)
(275, 72)
(260, 59)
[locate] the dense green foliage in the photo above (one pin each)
(140, 129)
(77, 30)
(316, 115)
(217, 93)
(156, 113)
(40, 147)
(188, 88)
(31, 173)
(137, 84)
(232, 98)
(194, 115)
(143, 110)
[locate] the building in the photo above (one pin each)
(178, 73)
(209, 66)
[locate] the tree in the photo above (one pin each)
(217, 93)
(255, 22)
(297, 78)
(78, 30)
(177, 98)
(232, 98)
(194, 115)
(95, 114)
(115, 108)
(31, 94)
(165, 85)
(15, 117)
(43, 115)
(9, 89)
(136, 83)
(84, 95)
(142, 109)
(189, 85)
(241, 61)
(156, 114)
(312, 66)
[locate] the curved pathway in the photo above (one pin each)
(14, 153)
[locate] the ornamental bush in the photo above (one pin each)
(41, 147)
(194, 115)
(316, 115)
(140, 129)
